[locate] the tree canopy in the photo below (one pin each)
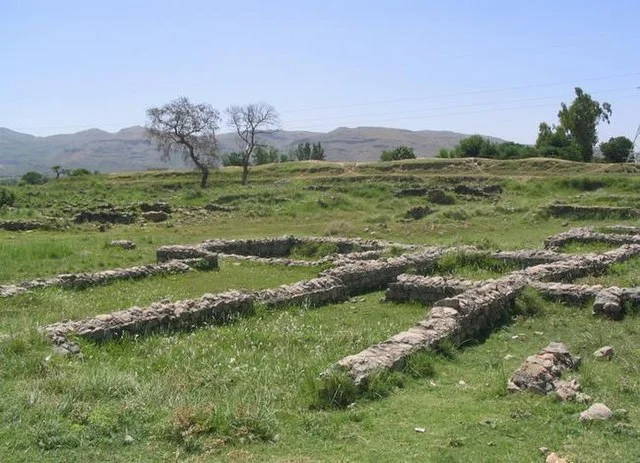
(617, 149)
(396, 154)
(190, 129)
(580, 120)
(250, 123)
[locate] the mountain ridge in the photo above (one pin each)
(130, 149)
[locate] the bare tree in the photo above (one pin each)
(186, 128)
(251, 122)
(58, 170)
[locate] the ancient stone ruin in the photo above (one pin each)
(459, 309)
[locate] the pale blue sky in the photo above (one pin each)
(491, 67)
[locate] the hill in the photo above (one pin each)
(129, 149)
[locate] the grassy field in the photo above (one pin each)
(248, 390)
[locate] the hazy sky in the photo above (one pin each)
(490, 67)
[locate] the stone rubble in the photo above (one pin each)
(418, 212)
(105, 215)
(155, 216)
(604, 353)
(541, 373)
(124, 244)
(158, 206)
(597, 411)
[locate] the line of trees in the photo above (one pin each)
(574, 137)
(265, 154)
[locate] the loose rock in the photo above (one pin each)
(604, 353)
(124, 244)
(596, 412)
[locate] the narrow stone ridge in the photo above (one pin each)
(582, 293)
(587, 212)
(366, 276)
(528, 257)
(461, 317)
(281, 247)
(588, 235)
(315, 292)
(181, 314)
(471, 313)
(84, 280)
(181, 252)
(427, 290)
(576, 266)
(20, 225)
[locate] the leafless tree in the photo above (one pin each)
(188, 129)
(251, 122)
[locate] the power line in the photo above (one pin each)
(471, 105)
(474, 92)
(447, 114)
(471, 92)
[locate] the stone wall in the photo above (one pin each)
(181, 314)
(20, 225)
(589, 212)
(427, 290)
(458, 318)
(105, 216)
(588, 235)
(469, 314)
(366, 276)
(84, 280)
(315, 292)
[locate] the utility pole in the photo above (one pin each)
(634, 155)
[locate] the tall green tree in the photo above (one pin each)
(470, 147)
(317, 152)
(303, 152)
(616, 149)
(581, 118)
(556, 142)
(265, 155)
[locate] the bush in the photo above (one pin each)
(79, 172)
(7, 198)
(34, 178)
(401, 152)
(232, 159)
(616, 149)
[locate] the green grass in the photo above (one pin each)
(582, 248)
(472, 266)
(622, 274)
(249, 390)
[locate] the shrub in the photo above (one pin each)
(528, 303)
(7, 197)
(401, 152)
(79, 172)
(34, 178)
(616, 149)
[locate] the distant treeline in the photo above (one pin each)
(270, 155)
(573, 138)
